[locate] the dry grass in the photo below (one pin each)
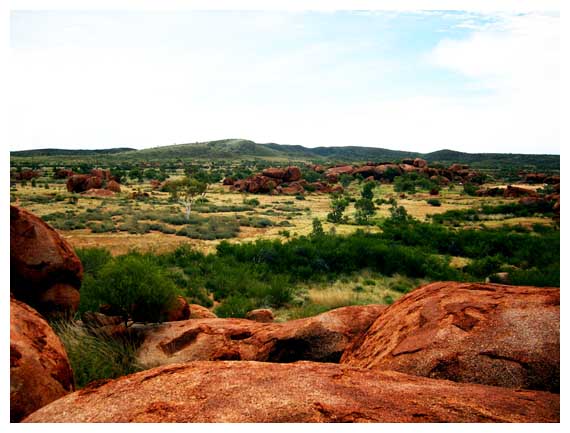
(359, 289)
(314, 206)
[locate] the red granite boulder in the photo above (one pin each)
(263, 315)
(257, 392)
(45, 272)
(320, 338)
(39, 368)
(113, 186)
(491, 334)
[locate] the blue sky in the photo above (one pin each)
(420, 81)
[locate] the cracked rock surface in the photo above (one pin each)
(491, 334)
(320, 338)
(249, 391)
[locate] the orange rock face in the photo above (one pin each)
(94, 192)
(200, 312)
(333, 173)
(320, 338)
(45, 272)
(263, 315)
(255, 392)
(292, 174)
(490, 334)
(39, 369)
(179, 311)
(113, 186)
(83, 182)
(276, 173)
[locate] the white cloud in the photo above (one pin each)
(100, 97)
(518, 60)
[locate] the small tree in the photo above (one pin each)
(317, 228)
(338, 206)
(187, 191)
(365, 206)
(345, 180)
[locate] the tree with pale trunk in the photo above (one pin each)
(187, 190)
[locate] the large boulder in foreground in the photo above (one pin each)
(320, 338)
(255, 392)
(490, 334)
(45, 272)
(39, 369)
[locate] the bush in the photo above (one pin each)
(434, 202)
(93, 259)
(470, 189)
(251, 202)
(300, 197)
(234, 306)
(338, 206)
(132, 284)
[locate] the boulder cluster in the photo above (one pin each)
(99, 183)
(277, 181)
(445, 352)
(528, 197)
(289, 180)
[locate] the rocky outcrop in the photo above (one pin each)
(27, 174)
(292, 174)
(83, 182)
(420, 163)
(516, 192)
(275, 173)
(62, 173)
(294, 188)
(93, 192)
(179, 311)
(104, 174)
(270, 181)
(45, 272)
(381, 172)
(365, 171)
(39, 368)
(320, 338)
(263, 315)
(490, 334)
(113, 186)
(257, 392)
(200, 312)
(333, 174)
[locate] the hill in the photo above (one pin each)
(70, 152)
(239, 149)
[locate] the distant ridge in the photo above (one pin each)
(70, 152)
(236, 149)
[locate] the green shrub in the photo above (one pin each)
(433, 202)
(251, 202)
(104, 227)
(470, 189)
(133, 284)
(299, 197)
(388, 299)
(234, 306)
(93, 259)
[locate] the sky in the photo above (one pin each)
(419, 80)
